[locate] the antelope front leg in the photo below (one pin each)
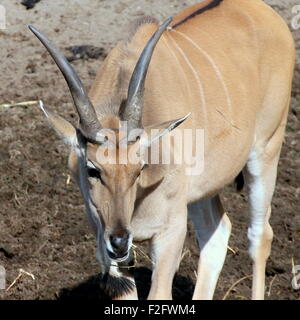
(166, 254)
(212, 227)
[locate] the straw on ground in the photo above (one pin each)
(22, 272)
(234, 285)
(19, 104)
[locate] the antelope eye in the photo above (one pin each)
(94, 173)
(145, 165)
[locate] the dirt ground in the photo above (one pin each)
(43, 228)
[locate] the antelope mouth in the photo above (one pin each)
(117, 257)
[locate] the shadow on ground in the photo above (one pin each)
(90, 289)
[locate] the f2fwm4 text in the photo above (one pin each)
(151, 309)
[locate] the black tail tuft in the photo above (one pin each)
(115, 287)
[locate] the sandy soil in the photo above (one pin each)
(43, 227)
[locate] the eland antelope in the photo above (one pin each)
(223, 66)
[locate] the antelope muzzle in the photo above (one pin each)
(118, 246)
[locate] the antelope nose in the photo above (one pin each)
(119, 244)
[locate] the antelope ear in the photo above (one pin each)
(63, 128)
(155, 132)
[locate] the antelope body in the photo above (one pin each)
(230, 64)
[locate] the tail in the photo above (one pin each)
(118, 283)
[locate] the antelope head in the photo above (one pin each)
(109, 187)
